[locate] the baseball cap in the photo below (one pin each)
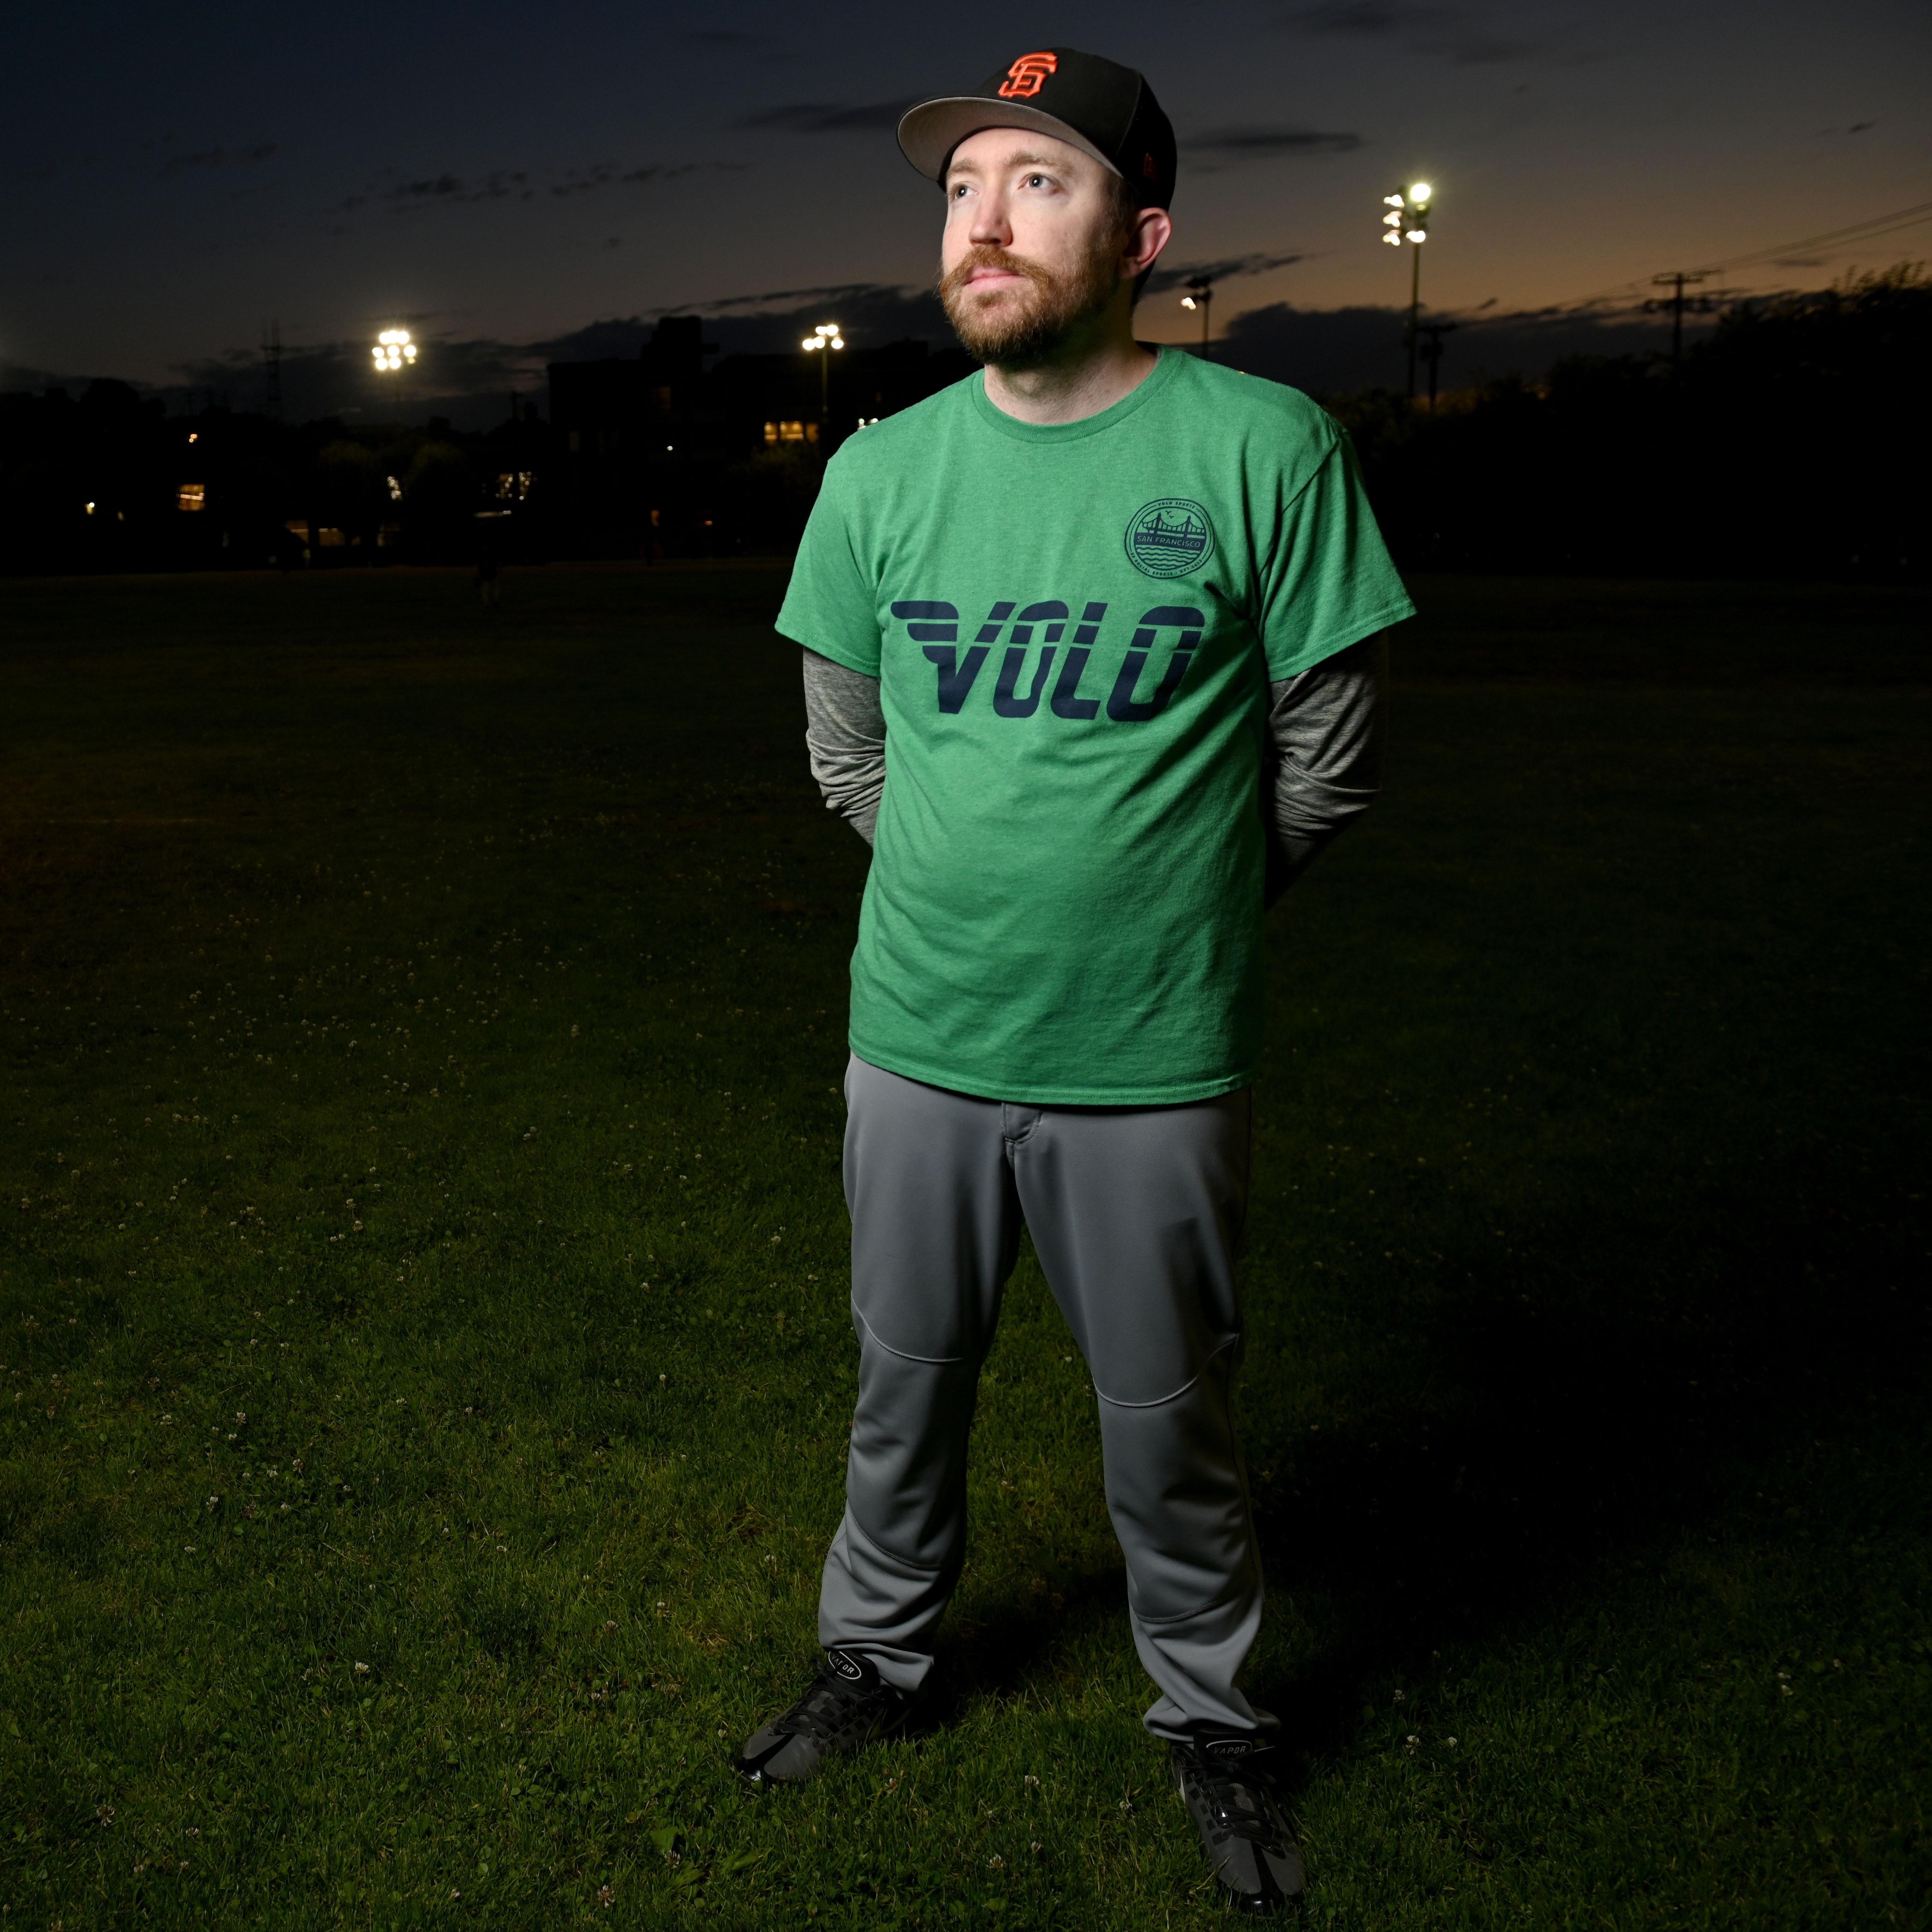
(1104, 109)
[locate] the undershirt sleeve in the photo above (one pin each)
(845, 740)
(1322, 763)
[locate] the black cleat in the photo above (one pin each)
(1227, 1784)
(849, 1704)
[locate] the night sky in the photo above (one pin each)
(503, 178)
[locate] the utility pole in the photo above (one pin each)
(1676, 282)
(1432, 354)
(271, 352)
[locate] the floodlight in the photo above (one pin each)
(1419, 192)
(393, 349)
(1392, 201)
(1418, 234)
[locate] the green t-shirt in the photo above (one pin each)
(1074, 628)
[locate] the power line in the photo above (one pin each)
(1868, 230)
(1859, 231)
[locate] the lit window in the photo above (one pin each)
(330, 538)
(514, 484)
(191, 496)
(788, 432)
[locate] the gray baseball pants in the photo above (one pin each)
(1135, 1214)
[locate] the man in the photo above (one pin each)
(1092, 658)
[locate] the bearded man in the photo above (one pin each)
(1093, 658)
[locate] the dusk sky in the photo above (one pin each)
(500, 178)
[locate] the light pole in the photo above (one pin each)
(1200, 294)
(1407, 221)
(393, 353)
(824, 338)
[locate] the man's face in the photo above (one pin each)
(1036, 243)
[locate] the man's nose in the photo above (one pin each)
(990, 224)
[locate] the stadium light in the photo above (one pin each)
(824, 338)
(1201, 295)
(394, 349)
(1408, 220)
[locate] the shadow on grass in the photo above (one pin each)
(1611, 1390)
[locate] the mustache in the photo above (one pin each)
(989, 255)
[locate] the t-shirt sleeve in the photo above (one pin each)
(1329, 581)
(830, 605)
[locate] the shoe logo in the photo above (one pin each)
(1234, 1748)
(848, 1667)
(1170, 537)
(1026, 75)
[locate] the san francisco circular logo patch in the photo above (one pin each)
(1170, 537)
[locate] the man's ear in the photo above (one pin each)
(1151, 232)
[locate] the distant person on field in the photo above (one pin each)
(1093, 660)
(488, 590)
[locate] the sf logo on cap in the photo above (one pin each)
(1024, 76)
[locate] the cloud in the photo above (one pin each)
(1262, 143)
(1331, 352)
(605, 174)
(1230, 267)
(467, 380)
(769, 322)
(444, 187)
(791, 299)
(216, 157)
(1448, 32)
(453, 190)
(808, 117)
(1367, 20)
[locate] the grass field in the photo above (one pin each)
(422, 1300)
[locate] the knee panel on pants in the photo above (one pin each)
(905, 1478)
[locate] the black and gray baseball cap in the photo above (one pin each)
(1103, 109)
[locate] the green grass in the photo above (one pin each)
(422, 1306)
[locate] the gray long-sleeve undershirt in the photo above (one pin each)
(1322, 765)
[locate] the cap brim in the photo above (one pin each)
(929, 132)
